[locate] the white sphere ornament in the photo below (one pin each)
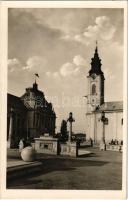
(28, 154)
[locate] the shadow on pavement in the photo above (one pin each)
(54, 164)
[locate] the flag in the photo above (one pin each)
(37, 75)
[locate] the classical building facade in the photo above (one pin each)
(104, 119)
(29, 116)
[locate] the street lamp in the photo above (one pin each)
(104, 121)
(70, 120)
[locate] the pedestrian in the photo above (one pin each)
(91, 142)
(21, 144)
(120, 148)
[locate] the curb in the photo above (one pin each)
(23, 170)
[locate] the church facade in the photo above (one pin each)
(104, 119)
(29, 116)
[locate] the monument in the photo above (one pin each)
(70, 148)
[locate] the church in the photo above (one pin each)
(104, 119)
(29, 116)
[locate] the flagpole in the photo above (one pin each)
(36, 75)
(35, 78)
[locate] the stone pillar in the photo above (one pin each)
(70, 132)
(71, 120)
(11, 124)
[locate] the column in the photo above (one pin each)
(71, 120)
(10, 141)
(70, 132)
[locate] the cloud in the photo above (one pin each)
(33, 37)
(102, 29)
(79, 60)
(39, 64)
(109, 75)
(32, 65)
(52, 74)
(73, 68)
(35, 63)
(14, 65)
(69, 69)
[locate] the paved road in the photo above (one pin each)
(102, 170)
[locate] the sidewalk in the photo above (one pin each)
(16, 167)
(14, 158)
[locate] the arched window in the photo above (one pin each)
(93, 89)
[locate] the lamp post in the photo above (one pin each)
(104, 120)
(70, 120)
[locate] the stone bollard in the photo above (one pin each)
(28, 154)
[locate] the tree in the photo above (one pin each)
(63, 131)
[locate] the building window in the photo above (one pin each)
(122, 121)
(93, 89)
(45, 146)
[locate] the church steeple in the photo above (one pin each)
(95, 96)
(96, 63)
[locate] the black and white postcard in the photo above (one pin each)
(64, 99)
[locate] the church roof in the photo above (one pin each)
(112, 106)
(96, 64)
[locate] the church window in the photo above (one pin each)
(122, 121)
(93, 89)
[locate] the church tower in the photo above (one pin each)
(95, 96)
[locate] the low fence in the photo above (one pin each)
(110, 147)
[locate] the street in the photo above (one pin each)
(102, 170)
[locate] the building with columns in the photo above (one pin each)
(29, 116)
(104, 119)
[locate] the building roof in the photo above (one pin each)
(112, 106)
(33, 98)
(15, 101)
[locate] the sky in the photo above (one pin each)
(58, 44)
